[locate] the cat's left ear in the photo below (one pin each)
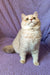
(23, 15)
(35, 13)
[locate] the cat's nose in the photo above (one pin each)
(31, 19)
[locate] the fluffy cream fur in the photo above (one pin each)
(28, 38)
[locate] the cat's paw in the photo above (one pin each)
(36, 63)
(22, 61)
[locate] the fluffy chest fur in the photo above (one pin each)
(30, 38)
(30, 34)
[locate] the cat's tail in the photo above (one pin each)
(9, 49)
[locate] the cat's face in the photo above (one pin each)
(29, 21)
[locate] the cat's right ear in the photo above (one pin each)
(23, 15)
(35, 13)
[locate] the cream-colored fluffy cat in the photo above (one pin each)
(27, 39)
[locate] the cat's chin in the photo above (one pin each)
(33, 24)
(27, 27)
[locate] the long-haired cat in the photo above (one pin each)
(27, 39)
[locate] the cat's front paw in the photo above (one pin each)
(36, 63)
(22, 61)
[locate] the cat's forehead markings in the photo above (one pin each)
(29, 16)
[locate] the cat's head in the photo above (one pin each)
(29, 21)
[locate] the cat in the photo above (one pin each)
(28, 39)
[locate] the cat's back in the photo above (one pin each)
(16, 41)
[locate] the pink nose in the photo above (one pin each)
(31, 19)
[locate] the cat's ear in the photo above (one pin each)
(23, 15)
(35, 13)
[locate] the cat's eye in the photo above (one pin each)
(27, 18)
(34, 18)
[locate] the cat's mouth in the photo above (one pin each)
(33, 24)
